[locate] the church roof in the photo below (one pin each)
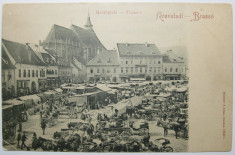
(126, 49)
(19, 52)
(61, 33)
(87, 37)
(105, 58)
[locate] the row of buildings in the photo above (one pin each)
(76, 55)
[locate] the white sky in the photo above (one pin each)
(32, 22)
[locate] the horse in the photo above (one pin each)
(169, 126)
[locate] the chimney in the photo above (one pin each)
(28, 52)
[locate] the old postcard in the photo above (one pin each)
(117, 77)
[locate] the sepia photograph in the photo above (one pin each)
(96, 77)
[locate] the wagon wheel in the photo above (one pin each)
(149, 117)
(107, 148)
(143, 116)
(168, 149)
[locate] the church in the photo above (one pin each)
(74, 42)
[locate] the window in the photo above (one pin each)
(132, 69)
(155, 70)
(150, 69)
(9, 75)
(165, 69)
(36, 73)
(24, 73)
(28, 73)
(108, 70)
(121, 69)
(33, 73)
(55, 72)
(159, 62)
(140, 61)
(170, 69)
(176, 70)
(3, 75)
(98, 70)
(91, 70)
(126, 62)
(109, 61)
(19, 72)
(99, 61)
(103, 70)
(114, 70)
(136, 69)
(141, 70)
(126, 69)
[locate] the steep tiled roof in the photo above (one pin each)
(81, 60)
(87, 37)
(171, 58)
(105, 58)
(19, 52)
(6, 62)
(126, 49)
(61, 33)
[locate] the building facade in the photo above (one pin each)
(104, 67)
(174, 68)
(8, 77)
(30, 71)
(139, 61)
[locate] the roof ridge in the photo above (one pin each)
(55, 25)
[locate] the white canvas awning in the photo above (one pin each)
(58, 90)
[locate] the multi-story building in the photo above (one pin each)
(104, 67)
(78, 70)
(30, 72)
(8, 77)
(139, 61)
(174, 68)
(51, 66)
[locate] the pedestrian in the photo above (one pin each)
(165, 131)
(43, 126)
(177, 129)
(18, 139)
(23, 139)
(34, 141)
(20, 127)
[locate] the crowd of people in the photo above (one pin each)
(116, 132)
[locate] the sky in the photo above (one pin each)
(32, 22)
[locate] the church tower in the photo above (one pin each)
(88, 24)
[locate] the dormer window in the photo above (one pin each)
(99, 61)
(109, 61)
(153, 52)
(141, 52)
(128, 52)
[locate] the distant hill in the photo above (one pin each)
(178, 51)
